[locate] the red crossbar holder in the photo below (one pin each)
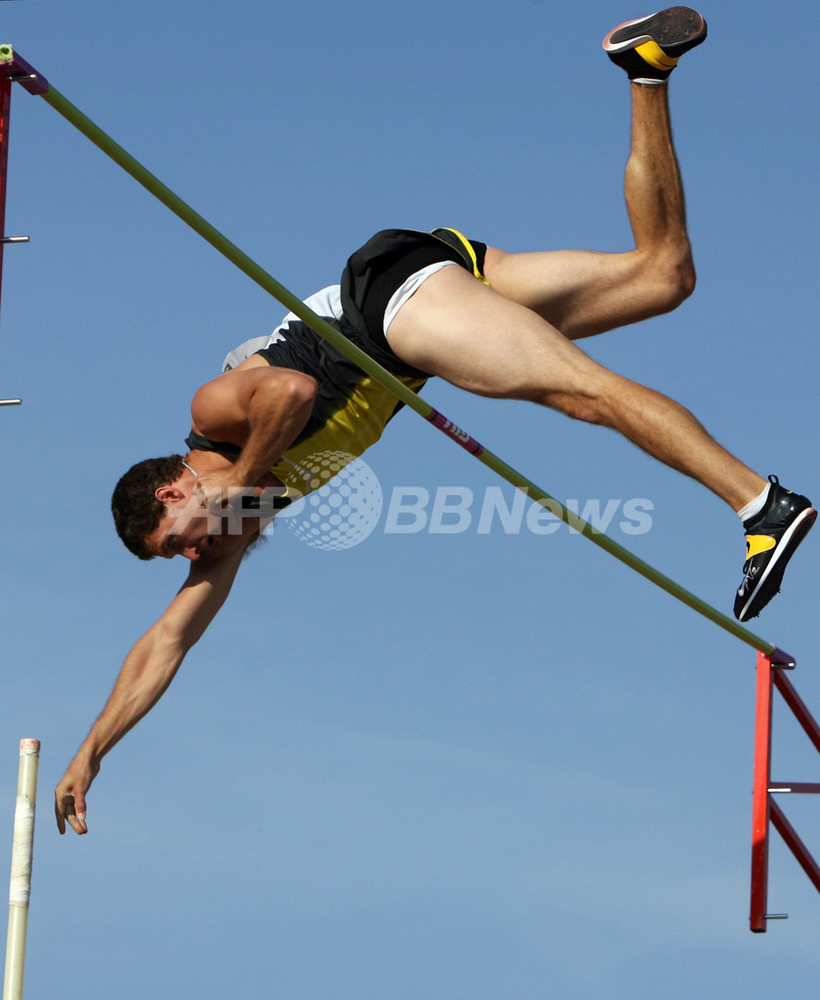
(771, 672)
(13, 69)
(5, 110)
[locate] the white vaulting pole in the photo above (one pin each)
(22, 849)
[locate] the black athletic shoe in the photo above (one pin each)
(649, 48)
(771, 539)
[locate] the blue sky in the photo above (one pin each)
(456, 764)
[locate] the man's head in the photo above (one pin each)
(136, 508)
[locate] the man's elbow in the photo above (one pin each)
(171, 640)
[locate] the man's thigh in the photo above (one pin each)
(465, 332)
(581, 293)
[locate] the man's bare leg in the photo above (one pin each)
(585, 293)
(483, 340)
(479, 340)
(475, 338)
(655, 203)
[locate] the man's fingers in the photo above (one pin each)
(199, 494)
(216, 495)
(58, 812)
(71, 808)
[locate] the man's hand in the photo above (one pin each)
(215, 490)
(69, 796)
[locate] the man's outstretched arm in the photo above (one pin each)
(145, 675)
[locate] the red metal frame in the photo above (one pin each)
(13, 68)
(765, 811)
(5, 110)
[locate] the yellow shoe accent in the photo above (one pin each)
(653, 54)
(755, 544)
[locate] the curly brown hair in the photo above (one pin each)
(136, 510)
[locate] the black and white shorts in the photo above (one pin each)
(378, 278)
(383, 267)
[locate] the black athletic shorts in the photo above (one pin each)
(380, 267)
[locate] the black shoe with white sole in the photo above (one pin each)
(772, 536)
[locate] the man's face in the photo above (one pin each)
(183, 535)
(186, 529)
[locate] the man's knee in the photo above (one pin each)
(682, 279)
(669, 279)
